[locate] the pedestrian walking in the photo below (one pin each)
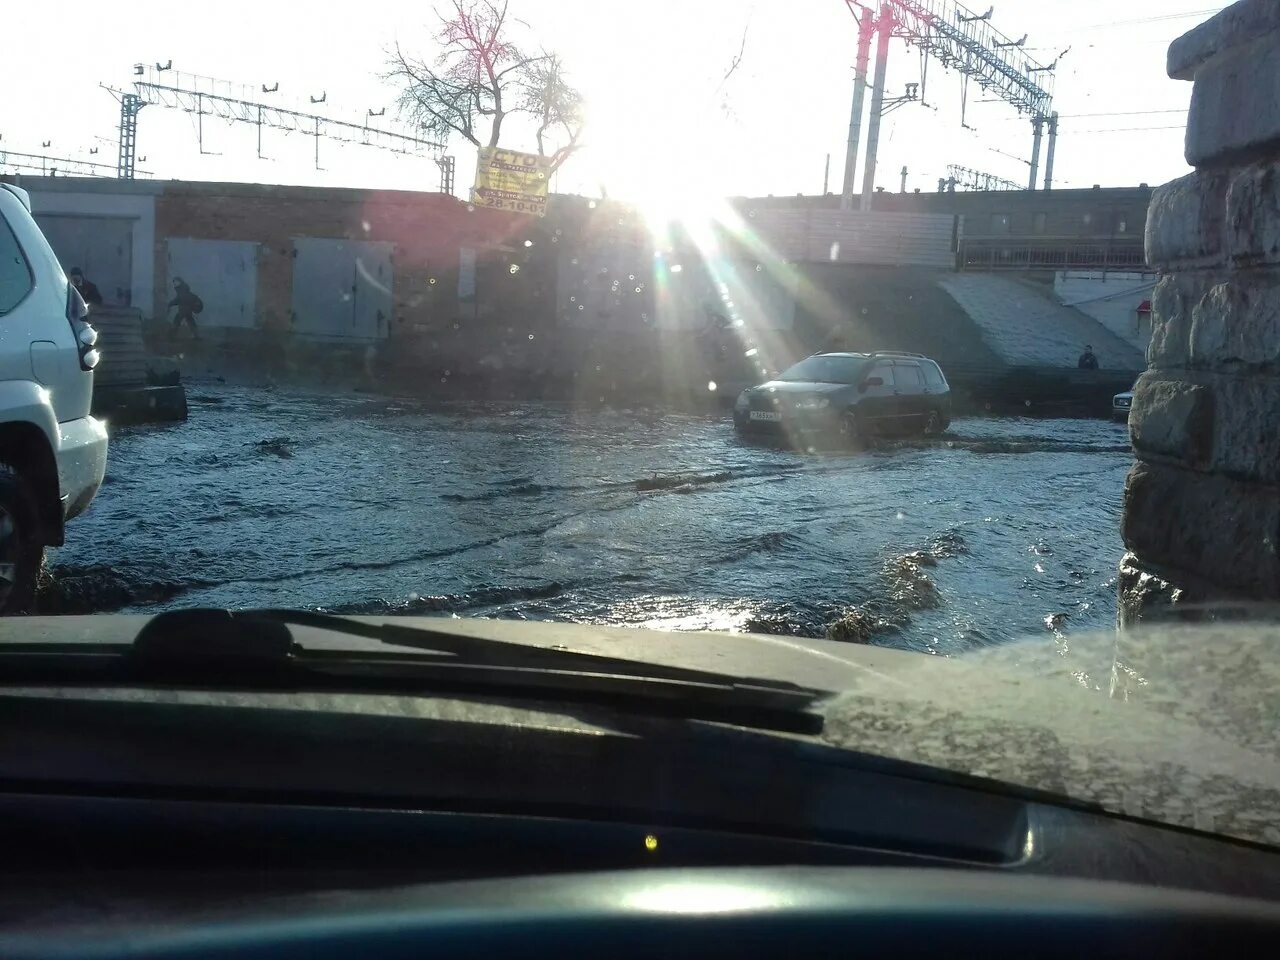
(89, 292)
(187, 304)
(1088, 361)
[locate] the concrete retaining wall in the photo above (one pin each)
(1111, 298)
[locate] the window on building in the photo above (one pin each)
(15, 275)
(1040, 222)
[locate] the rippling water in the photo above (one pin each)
(361, 504)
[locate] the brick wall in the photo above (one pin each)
(428, 231)
(1202, 504)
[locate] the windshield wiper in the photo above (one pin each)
(255, 650)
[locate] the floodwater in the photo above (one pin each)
(362, 504)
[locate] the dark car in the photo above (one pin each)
(849, 395)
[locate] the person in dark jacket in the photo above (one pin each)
(88, 289)
(1088, 361)
(187, 304)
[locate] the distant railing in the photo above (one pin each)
(1021, 254)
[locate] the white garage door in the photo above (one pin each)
(222, 273)
(342, 289)
(102, 247)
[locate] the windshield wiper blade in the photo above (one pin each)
(255, 650)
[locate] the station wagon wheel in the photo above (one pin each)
(20, 549)
(933, 424)
(850, 428)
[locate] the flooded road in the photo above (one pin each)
(372, 504)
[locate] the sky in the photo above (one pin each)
(664, 126)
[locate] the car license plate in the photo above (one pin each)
(769, 415)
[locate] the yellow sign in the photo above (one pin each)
(513, 181)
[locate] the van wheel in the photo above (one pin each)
(21, 546)
(933, 424)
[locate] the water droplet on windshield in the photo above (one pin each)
(637, 289)
(364, 224)
(591, 205)
(751, 353)
(711, 385)
(676, 268)
(835, 250)
(515, 268)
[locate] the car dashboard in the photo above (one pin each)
(167, 824)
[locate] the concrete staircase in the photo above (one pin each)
(1025, 326)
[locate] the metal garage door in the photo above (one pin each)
(100, 246)
(222, 273)
(342, 289)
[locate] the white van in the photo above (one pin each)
(52, 452)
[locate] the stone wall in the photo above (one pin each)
(1202, 504)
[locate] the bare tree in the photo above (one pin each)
(481, 76)
(556, 107)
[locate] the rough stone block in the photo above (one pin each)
(1149, 594)
(1186, 221)
(1236, 25)
(1174, 419)
(1235, 105)
(1222, 530)
(1252, 231)
(1246, 442)
(1172, 306)
(1235, 319)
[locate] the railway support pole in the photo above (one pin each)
(1037, 125)
(866, 26)
(1053, 143)
(884, 28)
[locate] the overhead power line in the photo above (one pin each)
(1105, 113)
(1138, 21)
(1177, 126)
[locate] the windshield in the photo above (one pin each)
(464, 312)
(825, 370)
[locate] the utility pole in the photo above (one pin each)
(866, 26)
(884, 27)
(1037, 125)
(904, 181)
(826, 175)
(1053, 142)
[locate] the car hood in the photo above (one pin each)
(803, 386)
(1174, 725)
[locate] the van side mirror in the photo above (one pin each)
(870, 382)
